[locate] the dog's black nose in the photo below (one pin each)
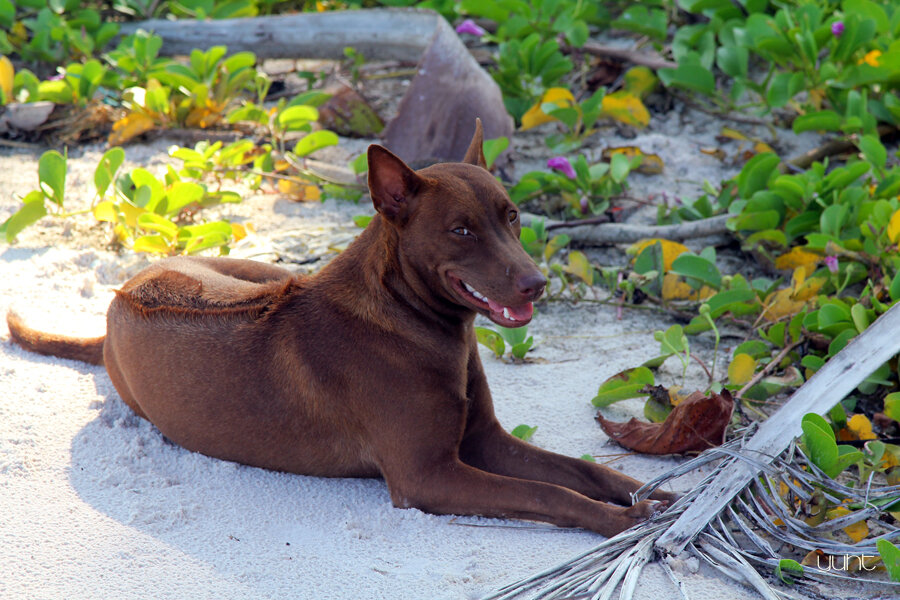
(531, 286)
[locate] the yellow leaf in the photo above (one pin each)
(640, 81)
(131, 213)
(671, 250)
(106, 211)
(651, 164)
(534, 116)
(893, 228)
(312, 193)
(580, 267)
(856, 531)
(7, 74)
(626, 107)
(861, 427)
(300, 190)
(760, 147)
(130, 126)
(741, 369)
(733, 134)
(809, 289)
(238, 231)
(871, 58)
(675, 288)
(797, 257)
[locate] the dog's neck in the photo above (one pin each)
(372, 266)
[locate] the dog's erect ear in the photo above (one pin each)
(475, 153)
(391, 183)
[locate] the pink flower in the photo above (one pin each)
(837, 28)
(469, 26)
(562, 164)
(832, 263)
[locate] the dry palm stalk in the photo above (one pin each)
(727, 520)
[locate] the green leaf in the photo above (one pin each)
(362, 220)
(626, 384)
(490, 339)
(493, 148)
(860, 317)
(159, 224)
(513, 335)
(360, 164)
(892, 405)
(106, 170)
(655, 411)
(733, 60)
(823, 120)
(873, 150)
(696, 267)
(673, 340)
(315, 141)
(523, 432)
(894, 290)
(786, 567)
(181, 195)
(693, 77)
(520, 350)
(31, 211)
(756, 174)
(890, 556)
(295, 117)
(818, 437)
(52, 175)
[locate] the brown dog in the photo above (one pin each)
(368, 368)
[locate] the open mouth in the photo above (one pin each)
(507, 316)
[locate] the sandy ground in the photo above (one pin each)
(95, 503)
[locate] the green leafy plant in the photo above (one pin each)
(525, 69)
(517, 340)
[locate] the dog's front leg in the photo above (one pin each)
(486, 445)
(453, 487)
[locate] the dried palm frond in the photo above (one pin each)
(729, 519)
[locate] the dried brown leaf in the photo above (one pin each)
(697, 423)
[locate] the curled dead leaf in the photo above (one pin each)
(697, 423)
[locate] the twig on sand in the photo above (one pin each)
(620, 233)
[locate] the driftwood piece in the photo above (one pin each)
(621, 233)
(840, 375)
(383, 34)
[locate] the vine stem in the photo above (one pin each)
(765, 370)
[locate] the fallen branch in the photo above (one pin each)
(828, 149)
(382, 34)
(637, 57)
(620, 233)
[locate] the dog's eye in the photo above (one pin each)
(461, 231)
(513, 215)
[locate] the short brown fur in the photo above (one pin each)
(368, 368)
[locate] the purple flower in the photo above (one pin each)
(837, 28)
(469, 26)
(561, 163)
(832, 263)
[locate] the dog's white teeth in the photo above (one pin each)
(469, 288)
(480, 296)
(506, 313)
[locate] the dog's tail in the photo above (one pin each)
(89, 350)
